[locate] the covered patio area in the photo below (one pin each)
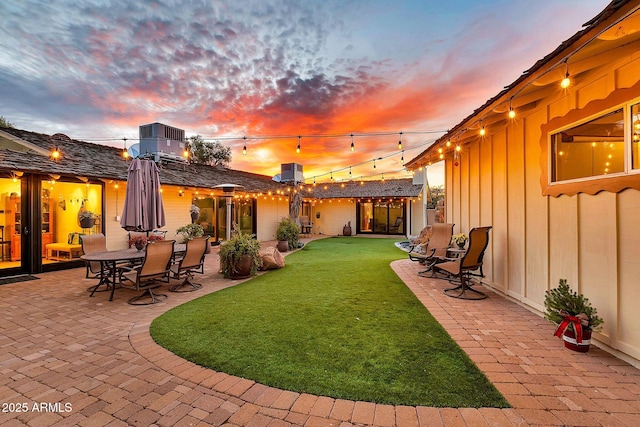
(60, 346)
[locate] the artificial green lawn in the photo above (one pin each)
(336, 321)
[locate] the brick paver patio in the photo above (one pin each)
(91, 362)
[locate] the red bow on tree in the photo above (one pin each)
(577, 321)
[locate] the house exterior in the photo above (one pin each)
(388, 207)
(559, 182)
(42, 197)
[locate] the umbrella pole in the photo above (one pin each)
(229, 199)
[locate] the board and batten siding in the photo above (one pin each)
(593, 241)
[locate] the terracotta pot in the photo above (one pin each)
(242, 267)
(283, 246)
(570, 342)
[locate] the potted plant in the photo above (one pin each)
(138, 241)
(190, 231)
(288, 231)
(87, 219)
(573, 313)
(240, 256)
(460, 239)
(346, 230)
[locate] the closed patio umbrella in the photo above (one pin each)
(143, 207)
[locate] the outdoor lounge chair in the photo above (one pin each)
(156, 266)
(436, 246)
(469, 265)
(305, 225)
(192, 261)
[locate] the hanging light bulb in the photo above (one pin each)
(353, 147)
(448, 144)
(512, 112)
(374, 163)
(402, 158)
(482, 129)
(400, 142)
(458, 148)
(349, 171)
(55, 154)
(566, 81)
(244, 149)
(331, 176)
(298, 148)
(383, 176)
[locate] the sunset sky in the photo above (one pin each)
(271, 70)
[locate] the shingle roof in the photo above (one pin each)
(390, 188)
(95, 161)
(80, 158)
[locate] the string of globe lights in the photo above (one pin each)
(401, 149)
(318, 177)
(564, 84)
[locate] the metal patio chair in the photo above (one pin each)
(192, 261)
(468, 266)
(156, 266)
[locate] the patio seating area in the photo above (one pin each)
(60, 345)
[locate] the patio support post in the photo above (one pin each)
(426, 197)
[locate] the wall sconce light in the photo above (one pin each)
(15, 175)
(318, 215)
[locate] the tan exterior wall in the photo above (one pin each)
(334, 215)
(269, 213)
(591, 240)
(176, 213)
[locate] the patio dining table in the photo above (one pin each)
(109, 261)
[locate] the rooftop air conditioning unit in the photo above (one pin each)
(291, 172)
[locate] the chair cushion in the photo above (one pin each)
(452, 267)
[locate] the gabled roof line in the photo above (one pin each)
(23, 143)
(567, 48)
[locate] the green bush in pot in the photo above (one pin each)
(241, 247)
(288, 231)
